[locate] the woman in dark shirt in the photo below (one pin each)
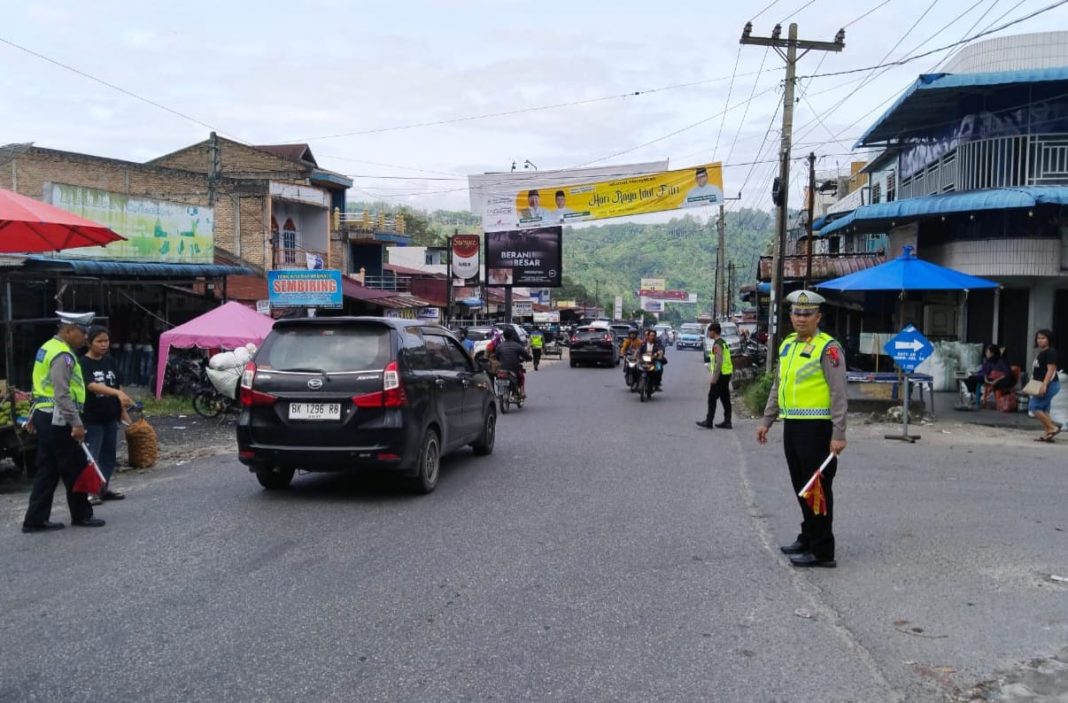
(1045, 372)
(105, 405)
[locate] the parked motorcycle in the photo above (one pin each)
(506, 386)
(756, 352)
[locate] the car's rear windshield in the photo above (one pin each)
(621, 329)
(728, 329)
(479, 335)
(587, 332)
(691, 328)
(326, 348)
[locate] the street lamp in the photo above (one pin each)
(529, 164)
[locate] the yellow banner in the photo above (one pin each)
(634, 195)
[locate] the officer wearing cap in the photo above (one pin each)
(809, 396)
(58, 396)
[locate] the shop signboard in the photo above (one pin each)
(522, 308)
(155, 230)
(652, 305)
(465, 259)
(299, 288)
(429, 314)
(653, 284)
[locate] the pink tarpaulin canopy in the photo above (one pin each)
(228, 327)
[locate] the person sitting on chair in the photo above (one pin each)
(994, 372)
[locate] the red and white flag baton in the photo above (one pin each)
(91, 479)
(815, 476)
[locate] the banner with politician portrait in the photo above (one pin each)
(569, 202)
(529, 257)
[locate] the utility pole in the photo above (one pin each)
(214, 167)
(811, 209)
(782, 186)
(720, 299)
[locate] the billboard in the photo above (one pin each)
(661, 294)
(522, 308)
(155, 230)
(493, 195)
(570, 200)
(310, 289)
(653, 284)
(652, 305)
(524, 258)
(464, 261)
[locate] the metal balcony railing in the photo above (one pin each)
(298, 258)
(366, 221)
(1000, 162)
(399, 284)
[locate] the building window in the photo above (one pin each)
(876, 191)
(891, 186)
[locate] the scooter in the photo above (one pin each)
(506, 386)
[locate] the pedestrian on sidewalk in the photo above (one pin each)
(719, 385)
(809, 396)
(1044, 371)
(105, 406)
(58, 397)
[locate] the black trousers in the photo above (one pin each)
(58, 457)
(807, 443)
(536, 353)
(719, 391)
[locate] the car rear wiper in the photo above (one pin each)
(298, 369)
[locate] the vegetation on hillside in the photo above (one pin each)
(603, 261)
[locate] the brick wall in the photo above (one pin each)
(29, 173)
(234, 159)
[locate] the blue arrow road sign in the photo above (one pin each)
(909, 348)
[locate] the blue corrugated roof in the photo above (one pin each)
(134, 269)
(876, 217)
(938, 93)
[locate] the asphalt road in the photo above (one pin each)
(608, 550)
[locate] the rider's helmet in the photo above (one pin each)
(509, 334)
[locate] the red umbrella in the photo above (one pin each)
(28, 225)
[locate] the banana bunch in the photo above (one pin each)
(22, 409)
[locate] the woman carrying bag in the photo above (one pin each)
(105, 405)
(1044, 385)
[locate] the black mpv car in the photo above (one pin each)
(341, 393)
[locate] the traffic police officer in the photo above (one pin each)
(719, 387)
(809, 395)
(537, 343)
(58, 396)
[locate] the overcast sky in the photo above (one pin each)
(273, 72)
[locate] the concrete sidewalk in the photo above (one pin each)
(945, 408)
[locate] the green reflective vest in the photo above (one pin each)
(728, 365)
(44, 395)
(536, 341)
(803, 391)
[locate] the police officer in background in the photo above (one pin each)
(58, 397)
(537, 344)
(719, 386)
(809, 395)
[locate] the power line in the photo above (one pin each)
(518, 111)
(677, 131)
(730, 91)
(858, 19)
(124, 91)
(767, 7)
(902, 62)
(795, 12)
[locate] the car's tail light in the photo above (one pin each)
(608, 338)
(392, 394)
(248, 395)
(574, 338)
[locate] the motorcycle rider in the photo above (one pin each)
(652, 346)
(510, 354)
(630, 345)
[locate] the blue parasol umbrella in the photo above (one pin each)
(906, 272)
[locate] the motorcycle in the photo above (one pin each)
(646, 377)
(506, 386)
(631, 372)
(756, 352)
